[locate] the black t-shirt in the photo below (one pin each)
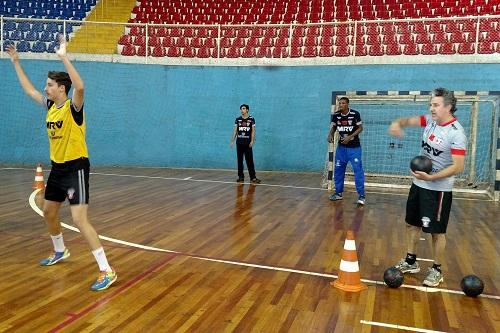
(244, 128)
(346, 125)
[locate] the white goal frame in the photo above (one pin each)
(492, 190)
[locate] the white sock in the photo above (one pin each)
(100, 257)
(58, 242)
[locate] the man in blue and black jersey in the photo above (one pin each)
(244, 133)
(349, 125)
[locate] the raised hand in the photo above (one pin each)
(396, 130)
(12, 51)
(61, 49)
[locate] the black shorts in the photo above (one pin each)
(428, 209)
(69, 180)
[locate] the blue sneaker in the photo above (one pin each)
(336, 197)
(104, 280)
(55, 258)
(361, 200)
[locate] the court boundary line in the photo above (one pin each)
(399, 327)
(240, 263)
(261, 184)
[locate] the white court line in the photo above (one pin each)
(399, 327)
(238, 263)
(205, 181)
(231, 182)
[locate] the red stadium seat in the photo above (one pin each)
(128, 50)
(238, 42)
(203, 52)
(326, 41)
(158, 51)
(423, 39)
(263, 52)
(360, 50)
(429, 49)
(248, 52)
(466, 48)
(457, 37)
(188, 52)
(310, 51)
(233, 52)
(296, 51)
(393, 49)
(267, 42)
(447, 48)
(486, 47)
(326, 51)
(173, 52)
(411, 49)
(168, 41)
(281, 41)
(139, 40)
(279, 52)
(143, 51)
(376, 50)
(125, 39)
(196, 42)
(342, 50)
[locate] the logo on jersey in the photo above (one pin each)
(71, 193)
(431, 150)
(54, 124)
(345, 128)
(435, 139)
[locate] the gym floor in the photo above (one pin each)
(196, 252)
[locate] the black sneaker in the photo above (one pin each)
(256, 181)
(240, 180)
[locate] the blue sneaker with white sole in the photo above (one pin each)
(104, 280)
(54, 258)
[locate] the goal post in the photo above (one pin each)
(386, 159)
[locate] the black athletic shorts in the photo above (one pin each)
(428, 209)
(69, 180)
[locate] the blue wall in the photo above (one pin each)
(179, 116)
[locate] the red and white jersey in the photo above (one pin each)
(439, 143)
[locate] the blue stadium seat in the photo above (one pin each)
(7, 43)
(23, 46)
(37, 27)
(31, 36)
(26, 12)
(47, 36)
(52, 46)
(23, 26)
(39, 47)
(51, 27)
(67, 13)
(13, 11)
(9, 25)
(16, 35)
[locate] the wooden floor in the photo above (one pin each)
(218, 231)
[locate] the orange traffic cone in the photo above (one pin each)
(349, 278)
(39, 183)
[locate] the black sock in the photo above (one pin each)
(437, 267)
(411, 258)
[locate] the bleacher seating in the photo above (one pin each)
(29, 35)
(184, 33)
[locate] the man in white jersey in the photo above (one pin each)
(429, 201)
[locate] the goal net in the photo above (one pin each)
(386, 158)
